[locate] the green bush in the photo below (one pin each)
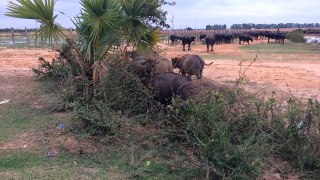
(298, 140)
(297, 36)
(232, 134)
(229, 137)
(119, 93)
(124, 92)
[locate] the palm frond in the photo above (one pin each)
(135, 14)
(41, 11)
(98, 20)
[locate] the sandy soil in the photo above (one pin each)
(299, 76)
(18, 62)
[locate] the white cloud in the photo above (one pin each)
(236, 11)
(202, 12)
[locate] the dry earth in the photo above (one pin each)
(299, 76)
(286, 74)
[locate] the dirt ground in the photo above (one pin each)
(299, 77)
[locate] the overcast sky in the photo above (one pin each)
(199, 13)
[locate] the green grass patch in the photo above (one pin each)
(17, 118)
(23, 164)
(112, 162)
(283, 48)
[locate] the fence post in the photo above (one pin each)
(12, 35)
(27, 36)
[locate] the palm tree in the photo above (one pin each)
(97, 25)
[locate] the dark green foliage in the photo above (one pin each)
(299, 139)
(47, 70)
(67, 76)
(124, 92)
(121, 93)
(297, 36)
(58, 69)
(98, 118)
(233, 134)
(229, 138)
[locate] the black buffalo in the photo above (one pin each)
(271, 35)
(167, 85)
(278, 36)
(244, 38)
(174, 38)
(187, 40)
(210, 41)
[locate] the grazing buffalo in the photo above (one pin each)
(142, 68)
(209, 41)
(228, 38)
(167, 85)
(271, 35)
(245, 38)
(198, 87)
(190, 64)
(278, 36)
(187, 40)
(174, 38)
(163, 64)
(137, 55)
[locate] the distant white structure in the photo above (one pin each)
(312, 39)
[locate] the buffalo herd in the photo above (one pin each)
(156, 73)
(221, 38)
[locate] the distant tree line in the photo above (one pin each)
(271, 26)
(216, 27)
(7, 30)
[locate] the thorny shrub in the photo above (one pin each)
(232, 134)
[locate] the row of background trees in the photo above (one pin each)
(223, 26)
(271, 26)
(262, 26)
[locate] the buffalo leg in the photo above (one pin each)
(207, 47)
(211, 47)
(183, 47)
